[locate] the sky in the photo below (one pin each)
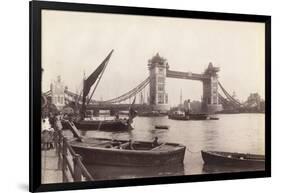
(74, 43)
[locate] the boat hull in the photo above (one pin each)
(151, 114)
(110, 172)
(92, 154)
(112, 125)
(232, 159)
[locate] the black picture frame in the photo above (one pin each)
(35, 93)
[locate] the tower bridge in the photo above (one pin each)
(159, 73)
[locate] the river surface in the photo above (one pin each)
(243, 133)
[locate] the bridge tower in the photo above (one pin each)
(157, 73)
(57, 93)
(210, 101)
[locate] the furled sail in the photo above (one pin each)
(92, 79)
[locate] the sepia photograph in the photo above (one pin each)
(130, 96)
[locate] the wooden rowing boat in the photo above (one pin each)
(233, 159)
(120, 153)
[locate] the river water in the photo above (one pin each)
(243, 133)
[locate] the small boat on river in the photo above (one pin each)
(119, 152)
(213, 118)
(161, 127)
(233, 159)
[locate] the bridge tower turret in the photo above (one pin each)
(210, 102)
(157, 73)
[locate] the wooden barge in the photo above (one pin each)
(118, 153)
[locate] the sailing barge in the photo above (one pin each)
(107, 125)
(233, 159)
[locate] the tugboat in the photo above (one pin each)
(187, 114)
(108, 125)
